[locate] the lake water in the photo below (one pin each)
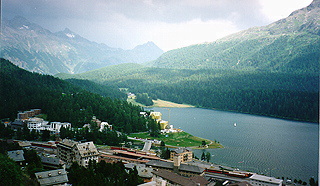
(276, 147)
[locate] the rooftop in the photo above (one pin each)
(266, 179)
(52, 177)
(16, 155)
(181, 150)
(68, 143)
(51, 160)
(87, 149)
(175, 178)
(169, 165)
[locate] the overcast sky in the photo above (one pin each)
(168, 23)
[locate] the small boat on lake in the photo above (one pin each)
(235, 124)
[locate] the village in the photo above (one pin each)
(181, 168)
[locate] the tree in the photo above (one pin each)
(208, 156)
(203, 156)
(165, 153)
(153, 127)
(34, 162)
(204, 143)
(312, 182)
(10, 172)
(5, 132)
(144, 99)
(45, 136)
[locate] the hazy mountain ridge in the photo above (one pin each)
(288, 45)
(37, 49)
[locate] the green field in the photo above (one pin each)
(180, 139)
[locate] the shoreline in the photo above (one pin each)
(163, 104)
(179, 139)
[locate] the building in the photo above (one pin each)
(144, 172)
(66, 151)
(28, 114)
(17, 156)
(17, 125)
(40, 124)
(156, 115)
(22, 115)
(105, 125)
(241, 176)
(179, 168)
(164, 177)
(52, 177)
(163, 124)
(114, 159)
(184, 153)
(37, 124)
(70, 151)
(85, 152)
(52, 162)
(139, 155)
(56, 126)
(101, 124)
(261, 180)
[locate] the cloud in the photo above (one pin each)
(176, 35)
(169, 23)
(273, 9)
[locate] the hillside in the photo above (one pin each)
(288, 45)
(34, 48)
(284, 95)
(62, 101)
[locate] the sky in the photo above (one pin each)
(170, 24)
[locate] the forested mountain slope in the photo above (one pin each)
(285, 95)
(34, 48)
(62, 101)
(288, 45)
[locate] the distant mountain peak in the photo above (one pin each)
(69, 33)
(20, 19)
(19, 22)
(147, 45)
(34, 48)
(315, 4)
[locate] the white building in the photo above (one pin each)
(56, 126)
(37, 124)
(105, 125)
(261, 180)
(40, 124)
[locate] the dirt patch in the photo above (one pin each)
(162, 103)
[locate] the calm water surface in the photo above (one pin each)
(275, 147)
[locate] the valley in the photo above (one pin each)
(284, 95)
(256, 91)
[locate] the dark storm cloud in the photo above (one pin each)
(245, 12)
(127, 23)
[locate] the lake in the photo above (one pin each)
(270, 146)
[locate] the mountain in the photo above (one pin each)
(288, 45)
(271, 70)
(34, 48)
